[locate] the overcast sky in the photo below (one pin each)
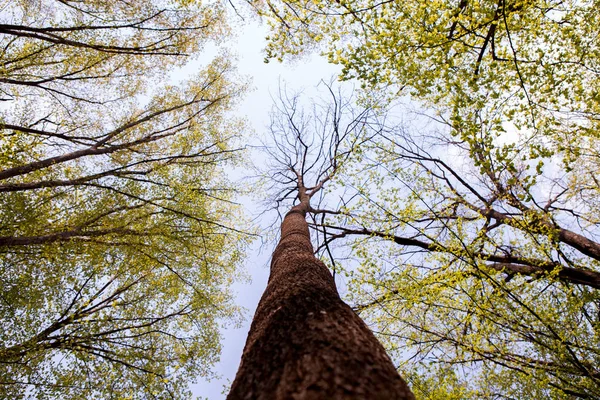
(255, 107)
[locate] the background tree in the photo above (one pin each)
(117, 238)
(491, 218)
(305, 342)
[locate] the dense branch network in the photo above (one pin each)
(119, 233)
(494, 240)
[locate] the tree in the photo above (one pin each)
(305, 342)
(118, 236)
(488, 221)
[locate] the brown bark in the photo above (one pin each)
(573, 239)
(305, 342)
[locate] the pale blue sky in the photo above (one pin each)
(265, 79)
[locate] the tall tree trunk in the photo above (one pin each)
(305, 342)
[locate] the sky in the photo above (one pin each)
(265, 79)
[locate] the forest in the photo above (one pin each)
(432, 213)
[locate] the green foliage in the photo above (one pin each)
(529, 66)
(118, 237)
(459, 277)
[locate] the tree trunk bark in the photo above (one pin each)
(304, 341)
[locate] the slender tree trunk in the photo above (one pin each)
(305, 342)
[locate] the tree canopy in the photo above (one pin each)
(474, 221)
(466, 288)
(118, 236)
(529, 66)
(486, 270)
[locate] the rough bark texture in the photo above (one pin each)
(305, 342)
